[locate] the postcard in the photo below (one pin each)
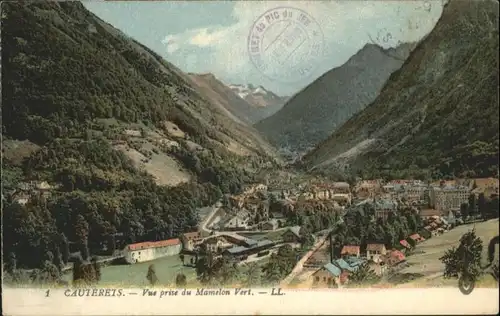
(250, 157)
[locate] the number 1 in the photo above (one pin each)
(47, 293)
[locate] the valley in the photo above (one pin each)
(120, 168)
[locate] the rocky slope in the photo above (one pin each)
(77, 79)
(315, 112)
(437, 115)
(224, 98)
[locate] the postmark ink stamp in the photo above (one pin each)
(285, 44)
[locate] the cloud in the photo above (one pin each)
(345, 25)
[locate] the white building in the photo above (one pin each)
(449, 197)
(151, 250)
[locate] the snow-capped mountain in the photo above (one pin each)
(259, 96)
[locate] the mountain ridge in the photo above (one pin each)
(419, 122)
(313, 113)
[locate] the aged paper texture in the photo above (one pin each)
(244, 157)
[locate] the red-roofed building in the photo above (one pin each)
(350, 251)
(150, 250)
(394, 257)
(405, 244)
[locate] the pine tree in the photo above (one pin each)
(464, 260)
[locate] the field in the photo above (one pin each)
(166, 269)
(425, 261)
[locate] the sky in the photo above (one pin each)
(283, 45)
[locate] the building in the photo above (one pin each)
(217, 244)
(417, 238)
(486, 186)
(292, 234)
(383, 207)
(367, 188)
(394, 257)
(190, 240)
(341, 187)
(405, 244)
(375, 252)
(241, 252)
(416, 194)
(379, 268)
(428, 213)
(238, 221)
(350, 250)
(346, 265)
(254, 188)
(273, 224)
(146, 251)
(240, 240)
(327, 276)
(448, 197)
(342, 198)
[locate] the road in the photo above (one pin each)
(209, 217)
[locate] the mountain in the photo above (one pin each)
(438, 115)
(100, 81)
(266, 102)
(127, 144)
(225, 99)
(315, 112)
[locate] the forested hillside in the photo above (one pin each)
(438, 115)
(129, 149)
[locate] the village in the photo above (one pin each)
(253, 225)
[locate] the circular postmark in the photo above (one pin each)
(285, 44)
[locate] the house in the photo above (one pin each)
(426, 214)
(375, 252)
(349, 250)
(394, 257)
(216, 243)
(271, 225)
(147, 251)
(416, 238)
(292, 234)
(327, 276)
(190, 240)
(405, 244)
